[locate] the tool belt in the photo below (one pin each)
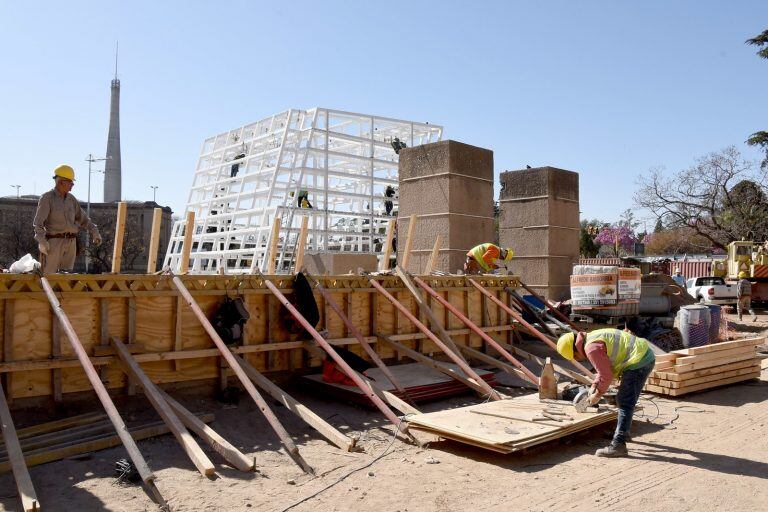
(61, 235)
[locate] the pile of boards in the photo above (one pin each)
(696, 369)
(509, 425)
(421, 383)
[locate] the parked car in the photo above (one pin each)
(711, 290)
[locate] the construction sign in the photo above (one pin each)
(629, 284)
(594, 289)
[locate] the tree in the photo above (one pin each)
(676, 241)
(618, 238)
(133, 242)
(587, 246)
(760, 138)
(16, 239)
(659, 227)
(710, 197)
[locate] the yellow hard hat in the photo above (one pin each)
(565, 345)
(64, 171)
(742, 275)
(509, 254)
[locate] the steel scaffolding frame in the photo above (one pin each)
(340, 161)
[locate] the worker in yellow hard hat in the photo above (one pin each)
(485, 258)
(58, 219)
(614, 354)
(744, 296)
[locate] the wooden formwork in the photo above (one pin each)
(171, 345)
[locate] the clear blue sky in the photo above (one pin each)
(607, 88)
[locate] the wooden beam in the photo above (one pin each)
(8, 318)
(154, 240)
(391, 227)
(186, 248)
(485, 358)
(56, 354)
(24, 485)
(432, 261)
(559, 369)
(273, 239)
(408, 242)
(288, 443)
(297, 408)
(117, 249)
(301, 246)
(210, 436)
(178, 341)
(188, 444)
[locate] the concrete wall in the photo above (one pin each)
(539, 219)
(448, 185)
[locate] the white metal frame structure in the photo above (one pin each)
(341, 161)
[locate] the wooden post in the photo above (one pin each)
(290, 447)
(188, 444)
(391, 227)
(408, 242)
(117, 253)
(273, 239)
(154, 240)
(8, 317)
(186, 248)
(101, 392)
(433, 256)
(27, 493)
(301, 245)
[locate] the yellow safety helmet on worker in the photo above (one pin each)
(64, 171)
(565, 345)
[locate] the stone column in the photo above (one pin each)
(539, 219)
(448, 185)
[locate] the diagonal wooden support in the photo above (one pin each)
(288, 443)
(210, 436)
(434, 323)
(335, 356)
(101, 392)
(188, 444)
(535, 332)
(541, 362)
(469, 372)
(528, 308)
(358, 335)
(487, 359)
(24, 485)
(297, 408)
(554, 310)
(528, 375)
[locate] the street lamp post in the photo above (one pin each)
(90, 161)
(17, 187)
(154, 193)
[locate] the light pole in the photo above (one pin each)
(154, 193)
(17, 187)
(90, 161)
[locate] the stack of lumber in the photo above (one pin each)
(696, 369)
(420, 382)
(77, 435)
(507, 426)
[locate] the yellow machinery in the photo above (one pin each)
(751, 258)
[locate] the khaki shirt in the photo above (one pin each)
(56, 214)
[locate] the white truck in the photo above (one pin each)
(711, 290)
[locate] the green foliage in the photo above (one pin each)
(588, 248)
(760, 40)
(760, 138)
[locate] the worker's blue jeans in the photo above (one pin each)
(632, 382)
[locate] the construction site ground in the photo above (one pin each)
(706, 451)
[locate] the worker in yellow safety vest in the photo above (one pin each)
(614, 354)
(483, 258)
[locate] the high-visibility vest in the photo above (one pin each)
(478, 251)
(624, 348)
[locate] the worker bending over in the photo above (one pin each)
(744, 296)
(58, 219)
(614, 354)
(483, 258)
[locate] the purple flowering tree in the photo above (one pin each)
(618, 238)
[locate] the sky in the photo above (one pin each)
(606, 88)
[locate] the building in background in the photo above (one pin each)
(113, 180)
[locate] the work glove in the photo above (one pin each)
(43, 248)
(96, 239)
(593, 399)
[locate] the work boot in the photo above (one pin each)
(613, 450)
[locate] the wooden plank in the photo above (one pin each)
(302, 244)
(715, 347)
(186, 247)
(154, 240)
(56, 354)
(701, 373)
(391, 227)
(708, 356)
(408, 242)
(297, 408)
(8, 341)
(178, 341)
(754, 367)
(24, 485)
(476, 354)
(273, 239)
(701, 387)
(210, 436)
(709, 363)
(432, 261)
(117, 249)
(53, 426)
(188, 444)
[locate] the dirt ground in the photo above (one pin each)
(708, 451)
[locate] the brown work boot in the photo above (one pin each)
(613, 450)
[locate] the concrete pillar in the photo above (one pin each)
(448, 185)
(539, 219)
